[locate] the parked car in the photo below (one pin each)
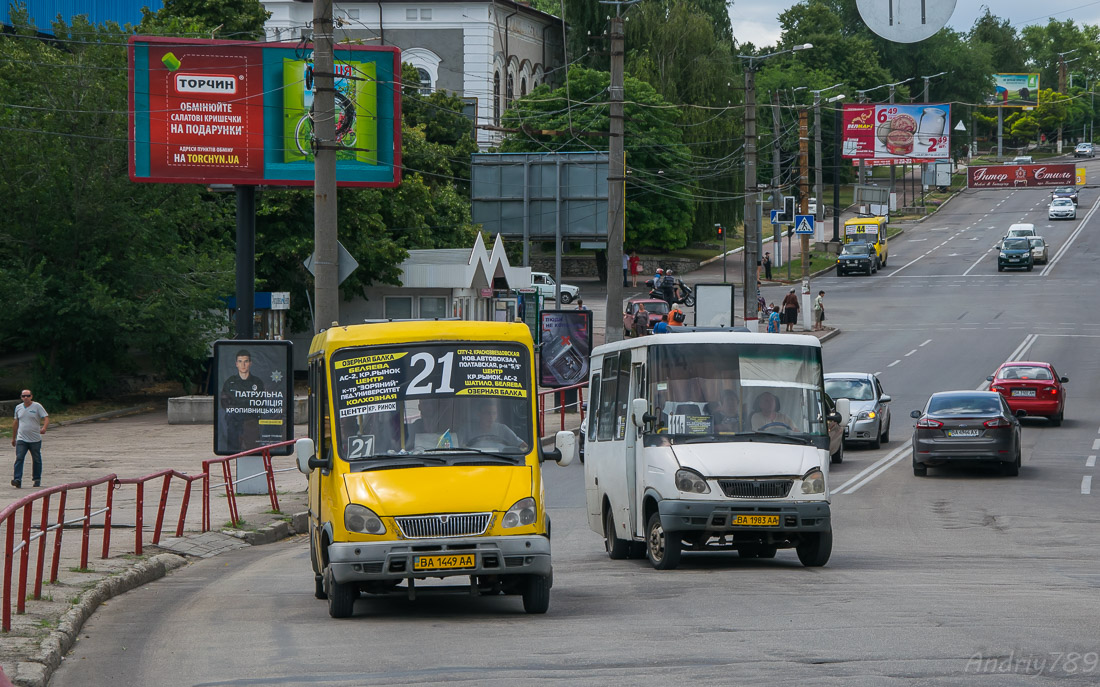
(545, 284)
(967, 427)
(654, 306)
(1084, 150)
(1062, 208)
(1015, 253)
(1065, 192)
(1034, 387)
(1022, 160)
(1039, 250)
(858, 256)
(870, 409)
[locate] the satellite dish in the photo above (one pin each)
(905, 21)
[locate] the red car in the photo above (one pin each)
(1034, 387)
(655, 307)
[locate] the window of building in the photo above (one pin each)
(410, 15)
(425, 81)
(511, 94)
(398, 307)
(523, 87)
(433, 306)
(425, 15)
(496, 98)
(353, 13)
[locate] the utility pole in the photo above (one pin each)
(748, 293)
(893, 168)
(803, 207)
(777, 197)
(616, 182)
(1062, 86)
(326, 282)
(818, 190)
(861, 96)
(922, 165)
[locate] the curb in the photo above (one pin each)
(135, 410)
(830, 334)
(37, 671)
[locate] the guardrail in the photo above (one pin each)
(562, 405)
(31, 516)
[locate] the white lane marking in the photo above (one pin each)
(872, 467)
(915, 240)
(898, 361)
(904, 451)
(905, 265)
(1072, 237)
(915, 350)
(926, 343)
(1086, 484)
(1090, 462)
(877, 374)
(1096, 444)
(967, 272)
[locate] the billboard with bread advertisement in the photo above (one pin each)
(892, 132)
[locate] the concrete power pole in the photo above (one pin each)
(1061, 89)
(777, 195)
(752, 230)
(818, 187)
(326, 282)
(803, 208)
(616, 185)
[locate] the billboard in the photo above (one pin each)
(1011, 176)
(714, 306)
(254, 399)
(236, 112)
(566, 347)
(1014, 90)
(894, 132)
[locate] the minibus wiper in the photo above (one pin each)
(469, 449)
(773, 437)
(384, 461)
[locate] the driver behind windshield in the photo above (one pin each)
(766, 414)
(483, 426)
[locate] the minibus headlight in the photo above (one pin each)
(691, 482)
(813, 482)
(363, 520)
(519, 515)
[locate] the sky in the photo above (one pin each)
(757, 21)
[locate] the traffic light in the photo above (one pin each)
(721, 231)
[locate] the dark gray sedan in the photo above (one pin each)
(967, 427)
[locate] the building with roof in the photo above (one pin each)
(487, 52)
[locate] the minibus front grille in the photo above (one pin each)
(756, 488)
(447, 525)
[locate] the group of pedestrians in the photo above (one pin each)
(786, 315)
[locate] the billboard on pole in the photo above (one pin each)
(1014, 90)
(1011, 176)
(894, 132)
(241, 112)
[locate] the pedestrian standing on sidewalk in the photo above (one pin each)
(662, 326)
(819, 311)
(790, 310)
(581, 305)
(635, 264)
(31, 421)
(768, 266)
(626, 269)
(773, 319)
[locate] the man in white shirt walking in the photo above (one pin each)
(31, 421)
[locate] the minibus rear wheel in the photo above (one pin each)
(617, 549)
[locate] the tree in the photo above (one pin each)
(96, 270)
(235, 19)
(1007, 51)
(659, 210)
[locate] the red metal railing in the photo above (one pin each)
(562, 405)
(162, 506)
(230, 484)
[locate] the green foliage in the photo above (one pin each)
(1045, 42)
(96, 268)
(1007, 51)
(659, 210)
(235, 19)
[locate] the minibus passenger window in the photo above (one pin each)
(623, 396)
(593, 407)
(606, 420)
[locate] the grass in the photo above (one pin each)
(82, 570)
(241, 524)
(44, 597)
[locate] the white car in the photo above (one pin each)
(1022, 160)
(1084, 150)
(1061, 208)
(1038, 249)
(1020, 230)
(545, 285)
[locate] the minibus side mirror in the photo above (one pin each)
(844, 409)
(305, 452)
(639, 412)
(565, 446)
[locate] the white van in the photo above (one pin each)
(707, 441)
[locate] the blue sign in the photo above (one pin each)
(776, 215)
(803, 224)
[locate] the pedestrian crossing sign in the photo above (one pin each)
(803, 224)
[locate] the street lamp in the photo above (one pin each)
(837, 140)
(1062, 85)
(818, 189)
(752, 229)
(926, 80)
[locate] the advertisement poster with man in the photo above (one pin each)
(565, 347)
(254, 397)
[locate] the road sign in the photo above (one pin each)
(776, 214)
(345, 263)
(803, 224)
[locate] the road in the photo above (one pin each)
(963, 577)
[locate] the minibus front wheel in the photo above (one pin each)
(662, 548)
(536, 594)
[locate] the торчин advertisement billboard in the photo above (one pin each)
(241, 112)
(254, 395)
(894, 132)
(1010, 176)
(566, 346)
(1015, 90)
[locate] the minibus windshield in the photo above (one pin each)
(730, 390)
(441, 399)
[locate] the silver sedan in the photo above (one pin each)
(870, 406)
(1039, 252)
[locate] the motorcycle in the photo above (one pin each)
(666, 293)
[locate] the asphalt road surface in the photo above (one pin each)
(963, 577)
